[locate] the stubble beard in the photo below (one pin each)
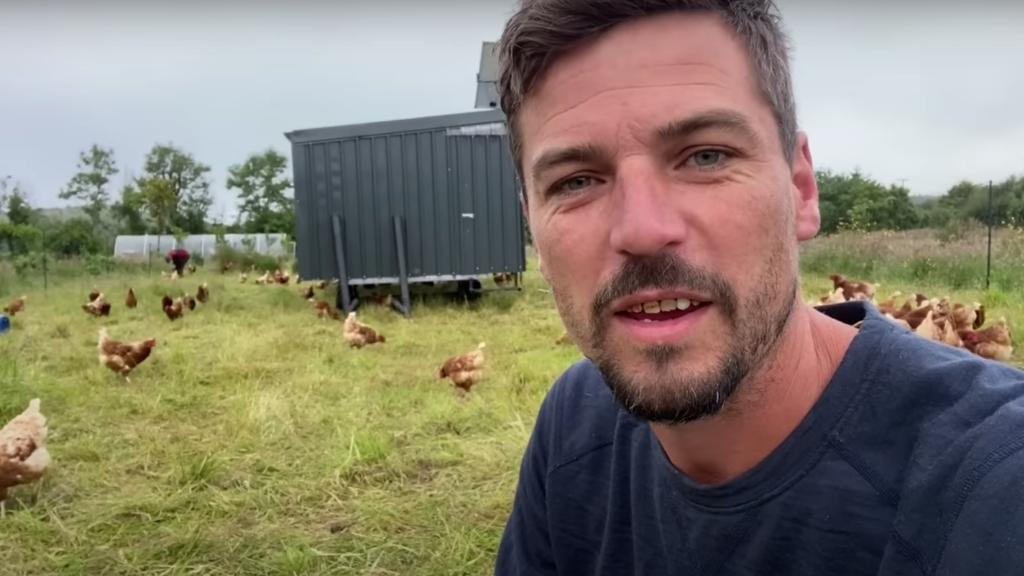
(665, 391)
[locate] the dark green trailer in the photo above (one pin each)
(423, 200)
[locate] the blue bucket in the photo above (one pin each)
(5, 324)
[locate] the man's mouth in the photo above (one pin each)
(661, 310)
(659, 318)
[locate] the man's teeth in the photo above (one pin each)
(657, 306)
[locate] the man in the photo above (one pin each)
(722, 426)
(179, 257)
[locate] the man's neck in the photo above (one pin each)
(766, 408)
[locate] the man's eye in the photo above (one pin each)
(708, 159)
(574, 184)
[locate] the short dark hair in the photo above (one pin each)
(543, 30)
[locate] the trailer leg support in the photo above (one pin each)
(403, 272)
(345, 300)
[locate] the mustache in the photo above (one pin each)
(663, 271)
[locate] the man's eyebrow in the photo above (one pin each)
(711, 120)
(588, 153)
(581, 154)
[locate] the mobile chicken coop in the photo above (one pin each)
(425, 200)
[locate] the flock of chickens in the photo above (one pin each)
(953, 323)
(464, 371)
(24, 457)
(23, 454)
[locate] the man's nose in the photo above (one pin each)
(645, 217)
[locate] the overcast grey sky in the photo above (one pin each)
(928, 93)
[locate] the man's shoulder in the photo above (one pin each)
(949, 400)
(943, 426)
(579, 414)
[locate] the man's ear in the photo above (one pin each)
(804, 186)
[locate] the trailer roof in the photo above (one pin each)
(395, 126)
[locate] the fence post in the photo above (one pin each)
(988, 263)
(46, 275)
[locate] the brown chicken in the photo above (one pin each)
(203, 294)
(964, 317)
(889, 306)
(23, 455)
(835, 297)
(189, 301)
(504, 279)
(950, 335)
(928, 329)
(281, 277)
(322, 285)
(358, 334)
(917, 315)
(18, 305)
(308, 293)
(98, 306)
(994, 342)
(899, 322)
(130, 300)
(384, 300)
(979, 321)
(172, 308)
(94, 294)
(853, 290)
(323, 309)
(464, 371)
(123, 358)
(907, 308)
(192, 268)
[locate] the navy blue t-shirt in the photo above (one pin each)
(911, 462)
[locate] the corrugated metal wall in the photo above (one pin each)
(457, 194)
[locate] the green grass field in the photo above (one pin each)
(254, 442)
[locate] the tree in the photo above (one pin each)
(5, 184)
(13, 202)
(18, 232)
(969, 200)
(18, 210)
(159, 200)
(855, 202)
(178, 183)
(128, 211)
(95, 167)
(74, 237)
(264, 206)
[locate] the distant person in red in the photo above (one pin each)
(179, 257)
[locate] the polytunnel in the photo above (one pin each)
(203, 245)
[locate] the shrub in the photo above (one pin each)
(243, 260)
(97, 264)
(27, 263)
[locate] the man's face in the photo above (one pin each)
(664, 211)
